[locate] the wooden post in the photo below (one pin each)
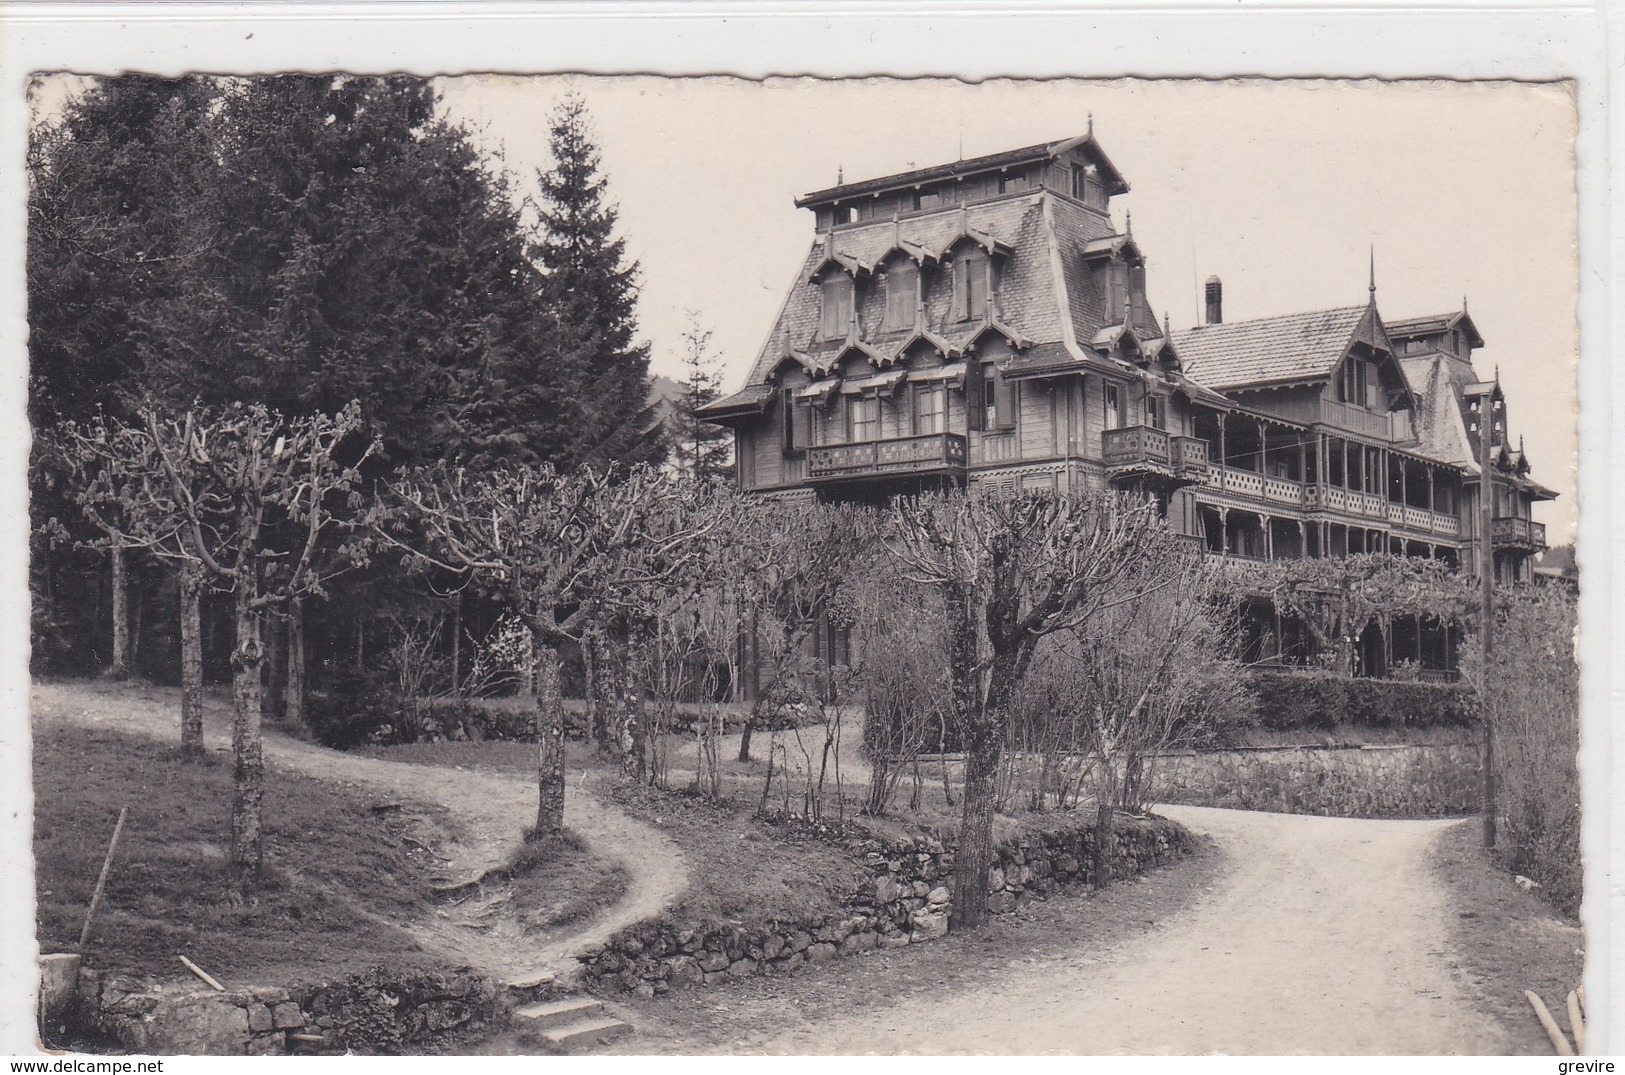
(101, 879)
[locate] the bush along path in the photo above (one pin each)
(492, 810)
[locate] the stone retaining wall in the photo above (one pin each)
(1440, 780)
(905, 901)
(374, 1012)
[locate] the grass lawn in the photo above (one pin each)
(558, 881)
(337, 871)
(1506, 940)
(740, 866)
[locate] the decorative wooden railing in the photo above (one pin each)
(1135, 445)
(1272, 490)
(932, 452)
(998, 447)
(1146, 447)
(1513, 533)
(1356, 419)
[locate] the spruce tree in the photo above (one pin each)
(591, 292)
(702, 451)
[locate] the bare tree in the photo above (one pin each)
(557, 546)
(1151, 671)
(788, 561)
(1011, 569)
(257, 504)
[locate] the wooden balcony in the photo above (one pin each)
(1355, 419)
(1141, 451)
(1250, 485)
(931, 453)
(1517, 534)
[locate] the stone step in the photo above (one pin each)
(554, 1013)
(587, 1034)
(527, 982)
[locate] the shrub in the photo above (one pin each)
(1294, 700)
(1532, 702)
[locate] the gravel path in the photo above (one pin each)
(490, 811)
(1317, 936)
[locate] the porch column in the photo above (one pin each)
(1431, 503)
(1224, 532)
(1303, 460)
(1269, 537)
(1223, 459)
(1404, 496)
(1263, 438)
(1303, 539)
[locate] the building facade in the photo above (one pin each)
(986, 322)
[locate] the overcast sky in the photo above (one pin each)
(1279, 188)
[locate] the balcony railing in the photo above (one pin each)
(1143, 447)
(1272, 490)
(1514, 533)
(1356, 419)
(926, 454)
(1134, 445)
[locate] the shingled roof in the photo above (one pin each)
(1270, 350)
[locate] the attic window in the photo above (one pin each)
(843, 214)
(837, 306)
(902, 295)
(972, 285)
(923, 199)
(1012, 181)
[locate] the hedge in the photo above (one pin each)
(1292, 700)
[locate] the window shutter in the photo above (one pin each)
(961, 296)
(804, 427)
(1004, 401)
(974, 397)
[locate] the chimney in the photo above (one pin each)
(1215, 301)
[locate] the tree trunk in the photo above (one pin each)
(598, 687)
(634, 756)
(456, 645)
(974, 854)
(117, 562)
(1105, 836)
(293, 698)
(753, 681)
(248, 762)
(276, 669)
(191, 659)
(549, 741)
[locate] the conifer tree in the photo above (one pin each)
(591, 292)
(702, 451)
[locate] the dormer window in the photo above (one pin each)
(837, 315)
(902, 295)
(973, 283)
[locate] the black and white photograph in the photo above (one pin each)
(645, 565)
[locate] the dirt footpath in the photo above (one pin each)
(1317, 935)
(491, 812)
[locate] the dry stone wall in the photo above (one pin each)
(906, 900)
(375, 1012)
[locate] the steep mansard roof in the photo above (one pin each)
(1043, 296)
(1270, 350)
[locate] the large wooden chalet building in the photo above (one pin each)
(986, 322)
